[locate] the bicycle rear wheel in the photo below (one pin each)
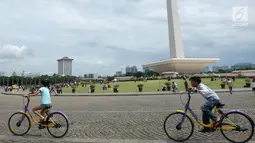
(244, 131)
(59, 122)
(19, 123)
(178, 132)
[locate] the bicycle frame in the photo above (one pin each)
(28, 112)
(215, 110)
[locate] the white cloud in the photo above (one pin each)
(103, 35)
(13, 52)
(100, 62)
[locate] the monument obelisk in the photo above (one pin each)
(178, 62)
(174, 30)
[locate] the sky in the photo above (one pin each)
(104, 36)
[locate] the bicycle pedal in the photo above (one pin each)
(41, 127)
(212, 130)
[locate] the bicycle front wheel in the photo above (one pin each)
(19, 123)
(244, 130)
(57, 124)
(177, 131)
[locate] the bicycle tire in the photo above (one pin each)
(10, 128)
(187, 117)
(247, 117)
(48, 128)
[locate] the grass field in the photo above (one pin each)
(152, 86)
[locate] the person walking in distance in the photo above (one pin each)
(173, 86)
(253, 85)
(186, 85)
(176, 87)
(230, 85)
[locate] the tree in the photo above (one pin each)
(19, 80)
(149, 73)
(222, 71)
(156, 74)
(139, 74)
(129, 74)
(110, 78)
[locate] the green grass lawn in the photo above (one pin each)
(152, 86)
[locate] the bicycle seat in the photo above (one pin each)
(220, 105)
(48, 107)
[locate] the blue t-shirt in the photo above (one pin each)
(45, 95)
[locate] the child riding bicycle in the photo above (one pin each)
(253, 85)
(45, 100)
(212, 99)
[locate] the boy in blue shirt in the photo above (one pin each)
(45, 99)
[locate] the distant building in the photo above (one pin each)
(90, 76)
(246, 73)
(118, 73)
(146, 69)
(2, 73)
(242, 66)
(125, 78)
(132, 69)
(14, 74)
(65, 66)
(217, 68)
(206, 69)
(29, 74)
(128, 69)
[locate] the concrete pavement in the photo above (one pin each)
(118, 119)
(8, 139)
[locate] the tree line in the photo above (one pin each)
(229, 70)
(57, 79)
(25, 81)
(142, 74)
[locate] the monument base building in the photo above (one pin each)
(181, 65)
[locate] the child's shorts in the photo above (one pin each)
(46, 106)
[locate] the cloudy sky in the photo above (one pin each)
(104, 35)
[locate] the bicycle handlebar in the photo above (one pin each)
(28, 99)
(189, 92)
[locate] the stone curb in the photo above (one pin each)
(124, 94)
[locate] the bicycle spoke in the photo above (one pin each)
(19, 124)
(59, 125)
(176, 130)
(241, 132)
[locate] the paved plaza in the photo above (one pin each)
(117, 119)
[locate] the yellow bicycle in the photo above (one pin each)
(183, 126)
(52, 122)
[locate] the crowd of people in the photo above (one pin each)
(56, 88)
(172, 86)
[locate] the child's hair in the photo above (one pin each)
(45, 83)
(196, 79)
